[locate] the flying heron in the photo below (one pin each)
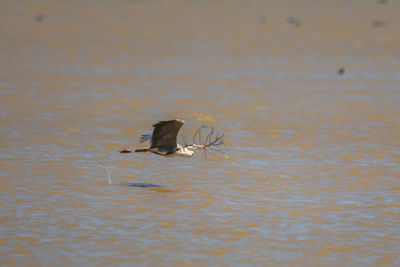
(163, 141)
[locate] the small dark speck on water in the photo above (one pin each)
(39, 17)
(383, 2)
(341, 71)
(262, 20)
(294, 21)
(378, 23)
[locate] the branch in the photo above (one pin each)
(211, 140)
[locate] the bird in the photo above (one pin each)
(163, 141)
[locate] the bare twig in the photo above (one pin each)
(212, 139)
(184, 140)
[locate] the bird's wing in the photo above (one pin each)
(165, 134)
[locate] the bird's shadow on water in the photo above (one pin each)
(143, 185)
(149, 186)
(156, 187)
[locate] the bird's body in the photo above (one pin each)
(163, 141)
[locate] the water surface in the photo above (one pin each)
(310, 171)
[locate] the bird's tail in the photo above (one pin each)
(145, 137)
(142, 150)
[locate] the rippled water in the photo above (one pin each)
(311, 166)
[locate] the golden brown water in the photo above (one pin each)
(310, 174)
